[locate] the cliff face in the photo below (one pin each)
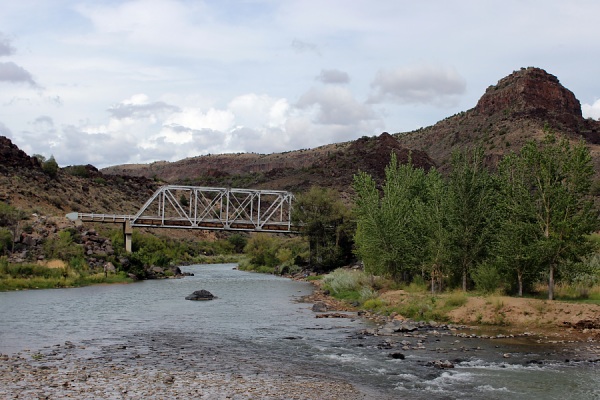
(532, 92)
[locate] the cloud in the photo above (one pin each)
(418, 85)
(335, 105)
(591, 111)
(11, 72)
(6, 49)
(149, 110)
(333, 76)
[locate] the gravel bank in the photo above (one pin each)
(164, 370)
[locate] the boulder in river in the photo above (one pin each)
(200, 295)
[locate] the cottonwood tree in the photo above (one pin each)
(515, 242)
(558, 176)
(388, 233)
(432, 215)
(325, 221)
(470, 211)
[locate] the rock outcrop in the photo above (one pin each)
(522, 106)
(532, 92)
(13, 157)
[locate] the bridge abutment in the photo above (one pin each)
(128, 234)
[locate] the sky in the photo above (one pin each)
(114, 82)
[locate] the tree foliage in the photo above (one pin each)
(470, 211)
(325, 221)
(550, 186)
(9, 219)
(50, 167)
(492, 229)
(388, 233)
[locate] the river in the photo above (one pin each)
(258, 326)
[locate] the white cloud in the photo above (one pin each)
(591, 110)
(418, 84)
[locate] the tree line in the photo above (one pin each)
(505, 228)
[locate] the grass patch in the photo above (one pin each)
(423, 308)
(33, 276)
(455, 300)
(375, 305)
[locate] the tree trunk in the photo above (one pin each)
(464, 279)
(520, 279)
(551, 283)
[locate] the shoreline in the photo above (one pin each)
(571, 330)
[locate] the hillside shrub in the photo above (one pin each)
(50, 167)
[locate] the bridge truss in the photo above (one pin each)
(193, 207)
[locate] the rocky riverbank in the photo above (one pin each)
(547, 321)
(165, 367)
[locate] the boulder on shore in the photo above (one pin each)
(200, 295)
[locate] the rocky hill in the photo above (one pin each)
(25, 185)
(331, 166)
(525, 105)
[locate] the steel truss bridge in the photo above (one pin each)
(192, 207)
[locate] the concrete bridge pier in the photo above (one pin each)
(128, 233)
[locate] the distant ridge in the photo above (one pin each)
(522, 106)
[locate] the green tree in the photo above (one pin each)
(515, 242)
(10, 218)
(470, 211)
(388, 235)
(50, 167)
(432, 215)
(262, 249)
(559, 177)
(325, 221)
(6, 240)
(63, 247)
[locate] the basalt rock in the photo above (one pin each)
(200, 295)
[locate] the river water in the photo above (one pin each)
(258, 324)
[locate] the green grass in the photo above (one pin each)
(32, 276)
(455, 300)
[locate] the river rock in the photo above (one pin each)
(320, 306)
(441, 364)
(200, 295)
(397, 356)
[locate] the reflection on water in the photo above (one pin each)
(256, 317)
